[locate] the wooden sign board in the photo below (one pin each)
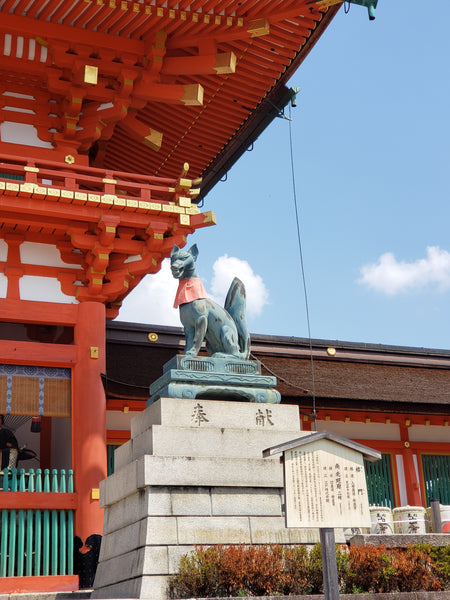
(325, 486)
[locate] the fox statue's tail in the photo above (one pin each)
(235, 307)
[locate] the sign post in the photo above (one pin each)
(325, 487)
(329, 565)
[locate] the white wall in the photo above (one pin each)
(39, 288)
(429, 433)
(32, 253)
(21, 133)
(361, 431)
(43, 289)
(119, 420)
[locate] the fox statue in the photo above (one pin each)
(223, 329)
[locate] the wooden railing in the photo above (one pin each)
(37, 516)
(76, 181)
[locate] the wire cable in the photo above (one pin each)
(285, 381)
(299, 239)
(279, 377)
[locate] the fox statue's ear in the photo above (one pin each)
(194, 250)
(175, 249)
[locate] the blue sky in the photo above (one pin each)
(371, 134)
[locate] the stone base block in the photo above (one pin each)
(138, 562)
(400, 540)
(192, 502)
(200, 414)
(188, 471)
(192, 474)
(161, 440)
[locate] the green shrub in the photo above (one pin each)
(414, 571)
(253, 570)
(369, 569)
(381, 569)
(440, 557)
(240, 570)
(297, 569)
(199, 574)
(235, 570)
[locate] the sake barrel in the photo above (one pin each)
(381, 519)
(445, 518)
(410, 519)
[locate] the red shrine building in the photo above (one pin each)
(116, 118)
(393, 399)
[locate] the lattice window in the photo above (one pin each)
(436, 475)
(35, 391)
(379, 482)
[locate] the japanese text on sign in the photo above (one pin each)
(325, 487)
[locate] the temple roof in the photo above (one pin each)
(158, 83)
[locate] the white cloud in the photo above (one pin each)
(152, 300)
(390, 276)
(226, 268)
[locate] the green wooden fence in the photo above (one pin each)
(436, 475)
(35, 541)
(110, 449)
(379, 482)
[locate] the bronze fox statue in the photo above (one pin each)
(223, 329)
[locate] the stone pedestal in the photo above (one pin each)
(214, 378)
(192, 474)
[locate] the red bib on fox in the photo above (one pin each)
(189, 290)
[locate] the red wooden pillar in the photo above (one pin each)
(89, 417)
(411, 478)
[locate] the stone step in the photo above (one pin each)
(192, 502)
(79, 595)
(162, 440)
(157, 534)
(216, 414)
(188, 471)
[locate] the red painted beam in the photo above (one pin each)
(46, 584)
(32, 28)
(38, 500)
(198, 65)
(119, 436)
(36, 353)
(120, 405)
(27, 311)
